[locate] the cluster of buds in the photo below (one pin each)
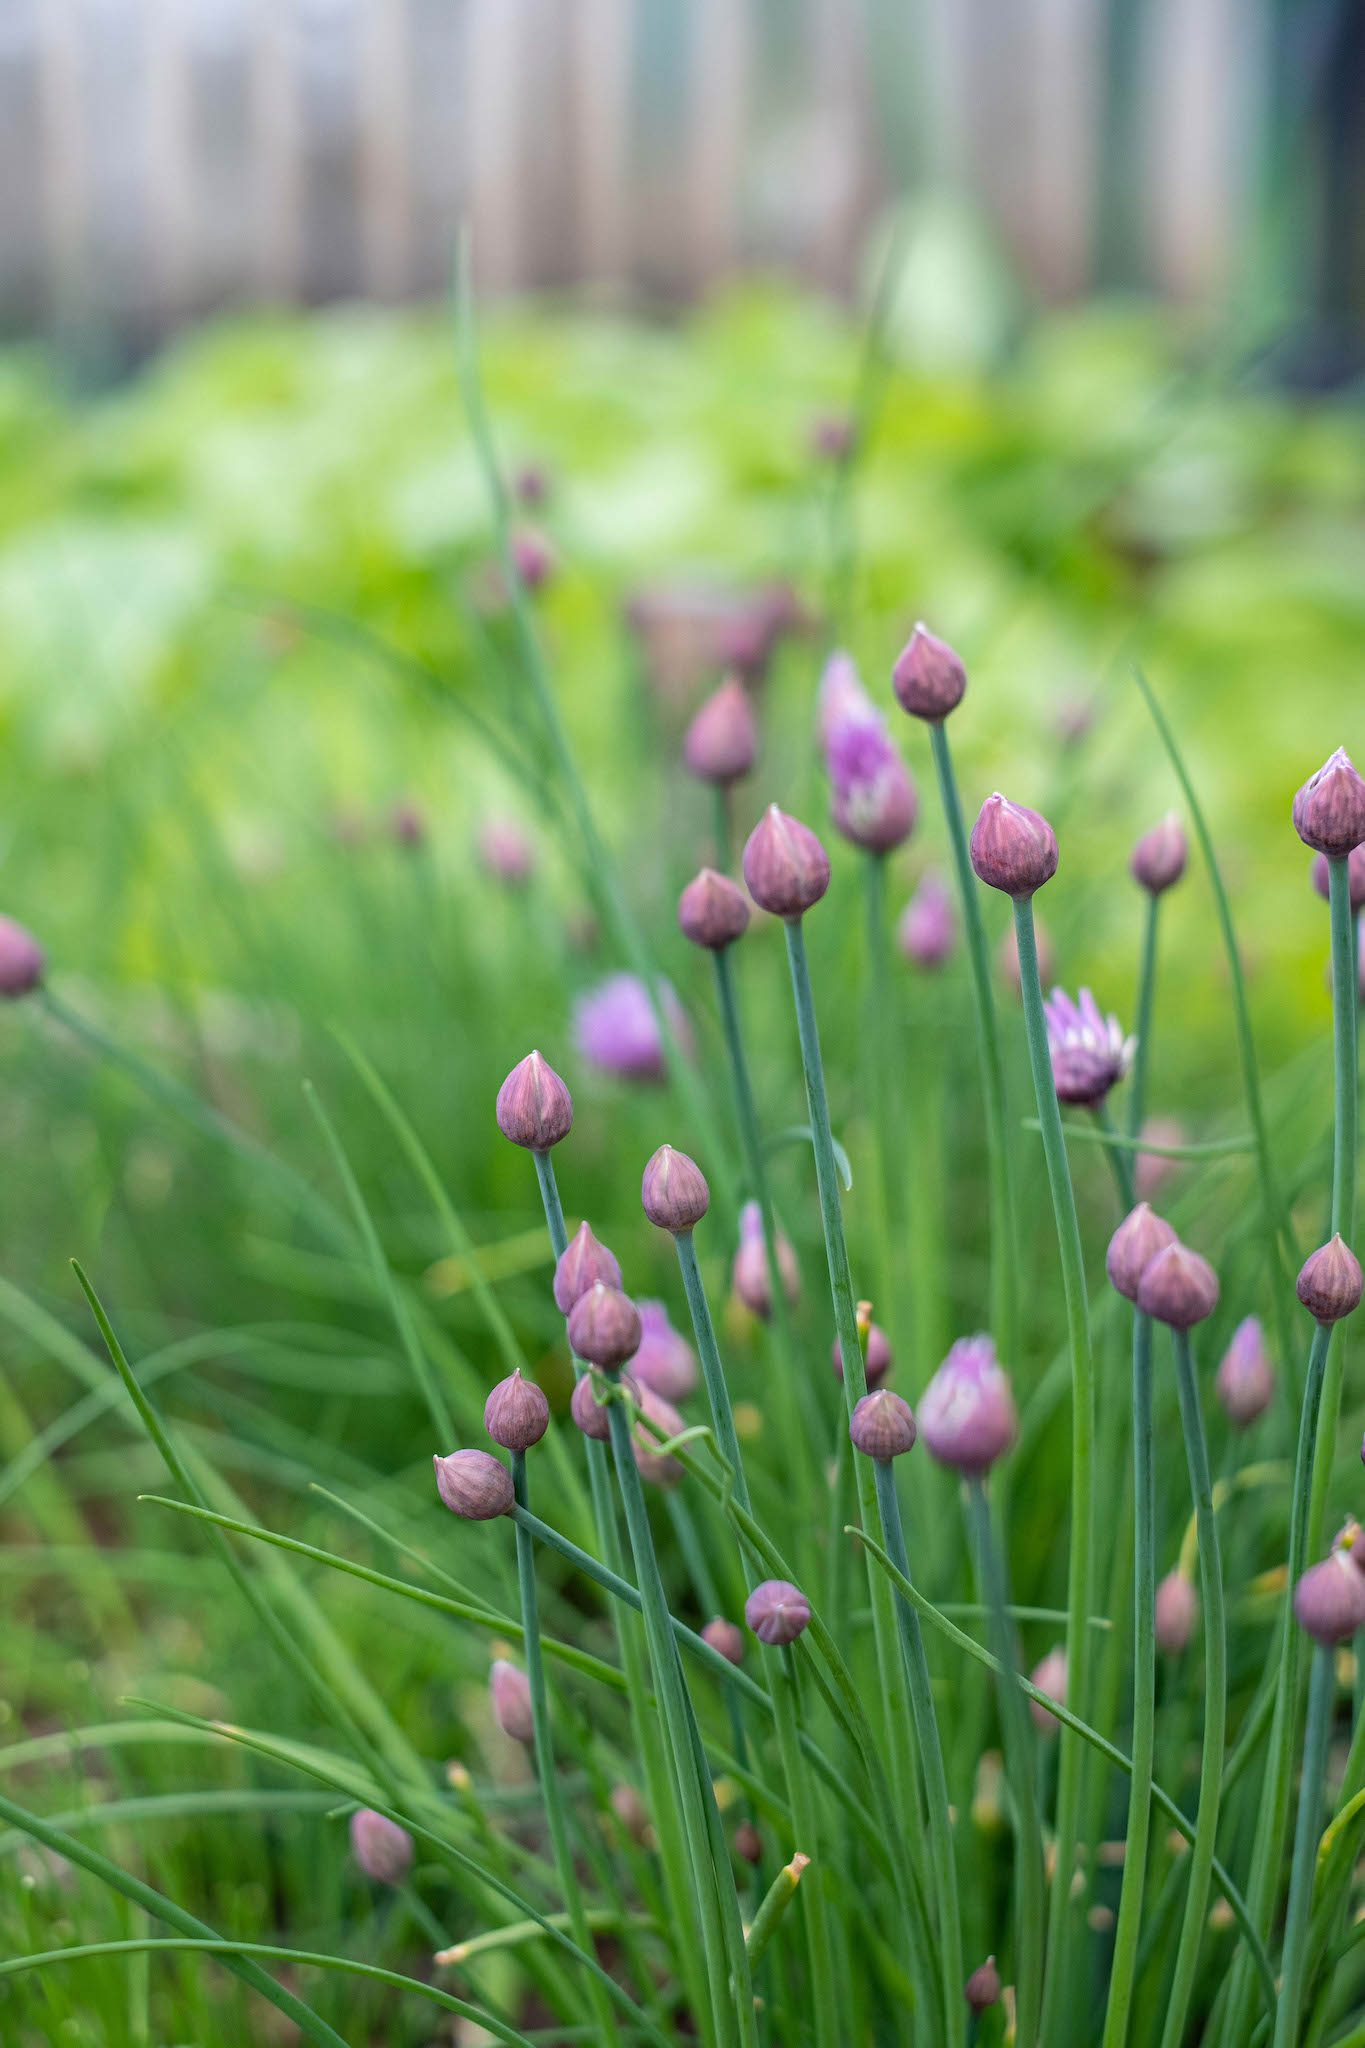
(1150, 1267)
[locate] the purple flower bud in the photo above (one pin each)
(749, 1274)
(1049, 1675)
(1178, 1287)
(777, 1612)
(1089, 1052)
(588, 1411)
(664, 1421)
(532, 558)
(510, 1691)
(1329, 811)
(1009, 954)
(604, 1327)
(674, 1191)
(882, 1426)
(617, 1031)
(583, 1262)
(1355, 876)
(1329, 1600)
(928, 679)
(725, 1637)
(982, 1989)
(1245, 1384)
(22, 960)
(516, 1413)
(1159, 858)
(505, 851)
(406, 824)
(928, 926)
(474, 1484)
(712, 911)
(381, 1848)
(1329, 1283)
(748, 1842)
(966, 1413)
(535, 1109)
(786, 868)
(877, 1361)
(1013, 849)
(721, 742)
(833, 437)
(1177, 1611)
(665, 1360)
(1136, 1242)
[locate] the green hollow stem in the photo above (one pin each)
(1081, 1572)
(1315, 1737)
(1120, 1161)
(1128, 1930)
(880, 1067)
(824, 2008)
(602, 2014)
(1146, 1005)
(930, 1747)
(1004, 1260)
(713, 1372)
(1215, 1696)
(1345, 1001)
(1020, 1771)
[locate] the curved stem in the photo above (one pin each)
(1080, 1580)
(1315, 1737)
(1123, 1971)
(1215, 1695)
(1146, 1003)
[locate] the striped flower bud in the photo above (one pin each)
(928, 679)
(583, 1262)
(1136, 1242)
(1178, 1287)
(712, 911)
(786, 869)
(1013, 849)
(604, 1327)
(882, 1426)
(673, 1191)
(535, 1109)
(475, 1485)
(1329, 811)
(777, 1612)
(1329, 1282)
(516, 1413)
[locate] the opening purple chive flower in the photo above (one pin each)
(777, 1612)
(505, 852)
(1329, 1284)
(509, 1690)
(966, 1413)
(786, 869)
(712, 911)
(516, 1413)
(1355, 876)
(749, 1275)
(381, 1848)
(727, 1637)
(1178, 1287)
(604, 1327)
(882, 1426)
(1089, 1051)
(616, 1030)
(665, 1361)
(928, 679)
(1177, 1611)
(474, 1484)
(583, 1262)
(873, 798)
(1245, 1383)
(721, 743)
(664, 1421)
(1013, 849)
(928, 928)
(1329, 1600)
(673, 1191)
(1160, 856)
(534, 1107)
(877, 1361)
(1049, 1675)
(22, 960)
(533, 559)
(1329, 811)
(982, 1988)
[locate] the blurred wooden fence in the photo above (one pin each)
(159, 158)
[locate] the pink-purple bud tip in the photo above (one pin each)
(516, 1413)
(1177, 1611)
(509, 1689)
(382, 1849)
(1245, 1383)
(877, 1360)
(928, 928)
(22, 960)
(786, 869)
(1329, 811)
(777, 1612)
(604, 1327)
(535, 1109)
(673, 1191)
(1013, 849)
(1160, 856)
(712, 911)
(882, 1426)
(588, 1411)
(1178, 1287)
(721, 742)
(1049, 1675)
(928, 679)
(1355, 876)
(982, 1988)
(1329, 1600)
(1329, 1282)
(665, 1361)
(749, 1275)
(1136, 1242)
(725, 1637)
(474, 1484)
(583, 1262)
(966, 1413)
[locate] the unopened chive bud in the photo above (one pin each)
(474, 1484)
(749, 1275)
(659, 1468)
(604, 1327)
(665, 1360)
(927, 932)
(982, 1988)
(1329, 1283)
(1013, 849)
(505, 852)
(877, 1361)
(712, 911)
(1178, 1287)
(1159, 859)
(928, 679)
(1177, 1611)
(1329, 811)
(381, 1848)
(510, 1691)
(516, 1413)
(726, 1637)
(1355, 876)
(777, 1612)
(532, 558)
(882, 1426)
(583, 1262)
(966, 1413)
(535, 1109)
(786, 869)
(1329, 1600)
(748, 1842)
(833, 436)
(1049, 1675)
(1245, 1383)
(721, 742)
(673, 1191)
(22, 960)
(1136, 1242)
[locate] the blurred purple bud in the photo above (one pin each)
(665, 1360)
(1178, 1287)
(673, 1191)
(712, 911)
(604, 1327)
(534, 1108)
(1329, 1600)
(777, 1612)
(873, 799)
(882, 1426)
(721, 743)
(583, 1262)
(665, 1422)
(726, 1637)
(833, 437)
(1355, 876)
(531, 484)
(381, 1848)
(786, 869)
(966, 1413)
(22, 961)
(928, 926)
(748, 1842)
(1013, 849)
(588, 1411)
(510, 1691)
(474, 1484)
(1159, 858)
(617, 1031)
(532, 559)
(1329, 1283)
(982, 1989)
(407, 826)
(505, 851)
(749, 1274)
(1329, 811)
(1049, 1675)
(877, 1360)
(1177, 1611)
(1245, 1383)
(1089, 1051)
(516, 1413)
(1136, 1242)
(928, 679)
